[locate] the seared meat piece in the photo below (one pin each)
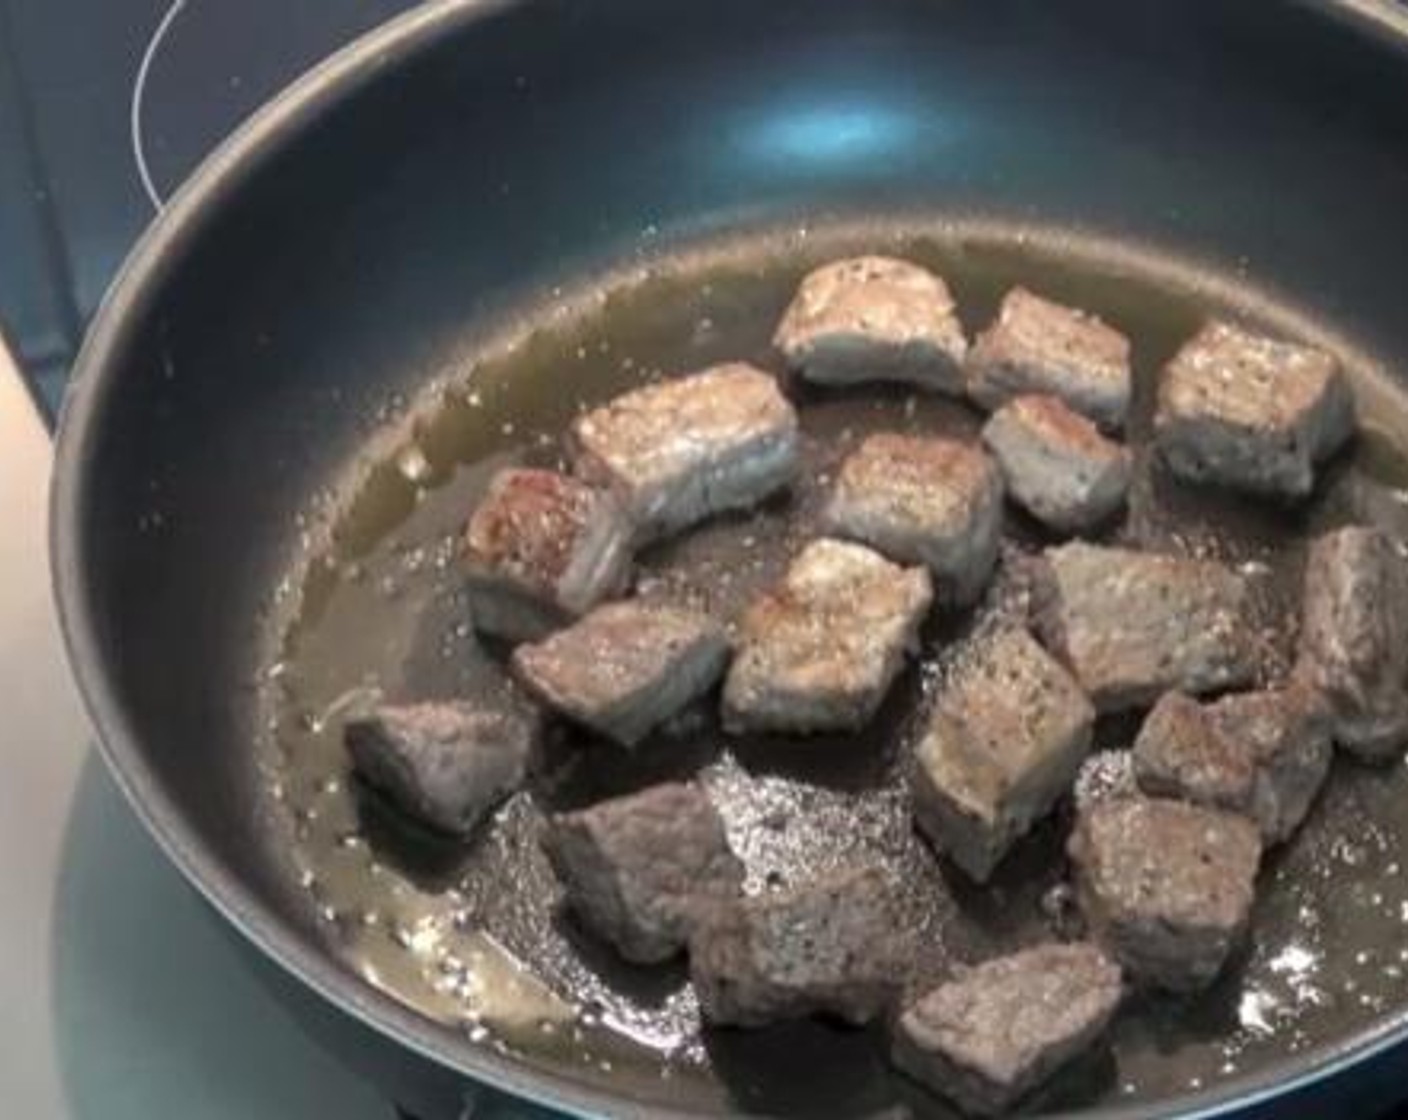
(1006, 737)
(989, 1036)
(832, 947)
(1166, 886)
(447, 764)
(1036, 346)
(819, 651)
(1058, 466)
(1354, 639)
(680, 451)
(1133, 625)
(923, 501)
(625, 667)
(1251, 413)
(641, 870)
(1262, 754)
(541, 549)
(874, 319)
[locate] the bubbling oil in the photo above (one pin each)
(468, 933)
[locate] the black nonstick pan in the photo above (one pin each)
(418, 263)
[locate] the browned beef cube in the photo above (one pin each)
(819, 651)
(1036, 346)
(1006, 737)
(1248, 412)
(1354, 639)
(680, 451)
(923, 501)
(831, 947)
(992, 1034)
(1263, 754)
(1059, 468)
(874, 319)
(1133, 625)
(1166, 886)
(641, 870)
(625, 667)
(447, 764)
(541, 549)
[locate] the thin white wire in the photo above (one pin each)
(139, 92)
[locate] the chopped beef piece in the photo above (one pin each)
(1133, 625)
(1059, 468)
(447, 764)
(874, 319)
(832, 947)
(923, 501)
(541, 549)
(641, 870)
(820, 650)
(1036, 346)
(1251, 413)
(1354, 639)
(1005, 740)
(680, 451)
(625, 667)
(989, 1036)
(1166, 886)
(1262, 754)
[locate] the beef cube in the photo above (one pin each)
(681, 451)
(1263, 754)
(923, 501)
(641, 870)
(819, 651)
(1134, 625)
(625, 667)
(1036, 346)
(1251, 413)
(1058, 466)
(1166, 886)
(832, 947)
(446, 764)
(542, 548)
(1354, 639)
(989, 1036)
(1005, 740)
(1180, 753)
(874, 319)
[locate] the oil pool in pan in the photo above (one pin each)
(467, 933)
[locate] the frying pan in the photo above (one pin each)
(415, 209)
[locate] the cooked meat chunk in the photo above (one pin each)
(1133, 625)
(993, 1033)
(923, 501)
(1166, 886)
(625, 667)
(874, 319)
(1263, 754)
(542, 548)
(446, 764)
(681, 451)
(1036, 346)
(1006, 737)
(1103, 775)
(1354, 639)
(1059, 468)
(819, 651)
(1251, 413)
(641, 870)
(831, 947)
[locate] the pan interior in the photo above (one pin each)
(468, 933)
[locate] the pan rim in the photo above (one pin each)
(93, 383)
